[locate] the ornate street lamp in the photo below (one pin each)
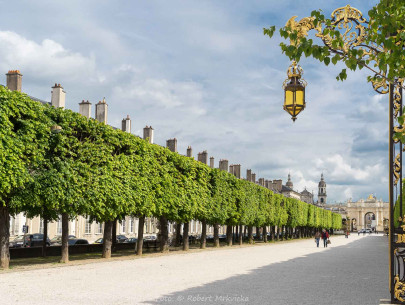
(294, 91)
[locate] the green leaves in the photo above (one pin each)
(91, 169)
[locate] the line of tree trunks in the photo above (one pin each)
(139, 243)
(178, 234)
(265, 234)
(203, 234)
(65, 238)
(240, 235)
(4, 237)
(163, 234)
(186, 245)
(45, 236)
(216, 235)
(229, 235)
(250, 234)
(107, 239)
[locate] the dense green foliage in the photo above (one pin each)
(384, 34)
(92, 169)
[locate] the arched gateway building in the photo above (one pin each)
(370, 213)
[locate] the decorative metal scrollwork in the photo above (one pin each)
(399, 289)
(397, 168)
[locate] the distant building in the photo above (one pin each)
(287, 190)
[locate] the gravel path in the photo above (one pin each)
(282, 273)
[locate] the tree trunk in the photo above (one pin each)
(216, 235)
(114, 235)
(139, 243)
(107, 239)
(245, 231)
(178, 234)
(203, 234)
(65, 238)
(250, 234)
(273, 232)
(240, 235)
(237, 233)
(45, 237)
(258, 233)
(163, 235)
(186, 245)
(229, 235)
(4, 237)
(265, 234)
(278, 233)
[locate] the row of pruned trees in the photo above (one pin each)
(92, 169)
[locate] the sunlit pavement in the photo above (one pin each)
(349, 271)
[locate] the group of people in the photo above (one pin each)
(325, 237)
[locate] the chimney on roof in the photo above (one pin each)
(231, 169)
(223, 165)
(189, 152)
(58, 96)
(277, 185)
(126, 124)
(148, 133)
(261, 181)
(101, 111)
(249, 175)
(253, 178)
(171, 144)
(203, 157)
(85, 108)
(236, 170)
(212, 162)
(14, 80)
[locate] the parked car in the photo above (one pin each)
(74, 242)
(98, 241)
(150, 237)
(131, 240)
(364, 231)
(121, 238)
(57, 240)
(17, 242)
(35, 240)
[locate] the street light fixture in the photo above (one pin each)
(294, 90)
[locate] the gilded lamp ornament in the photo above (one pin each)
(294, 91)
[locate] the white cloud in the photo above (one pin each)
(45, 59)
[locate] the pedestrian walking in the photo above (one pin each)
(325, 237)
(317, 237)
(347, 234)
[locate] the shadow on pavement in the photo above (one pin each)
(356, 273)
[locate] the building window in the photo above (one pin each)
(17, 225)
(131, 225)
(59, 226)
(41, 226)
(87, 229)
(123, 226)
(99, 228)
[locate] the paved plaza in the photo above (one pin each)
(350, 271)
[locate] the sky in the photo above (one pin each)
(204, 73)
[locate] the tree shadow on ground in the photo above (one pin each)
(356, 273)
